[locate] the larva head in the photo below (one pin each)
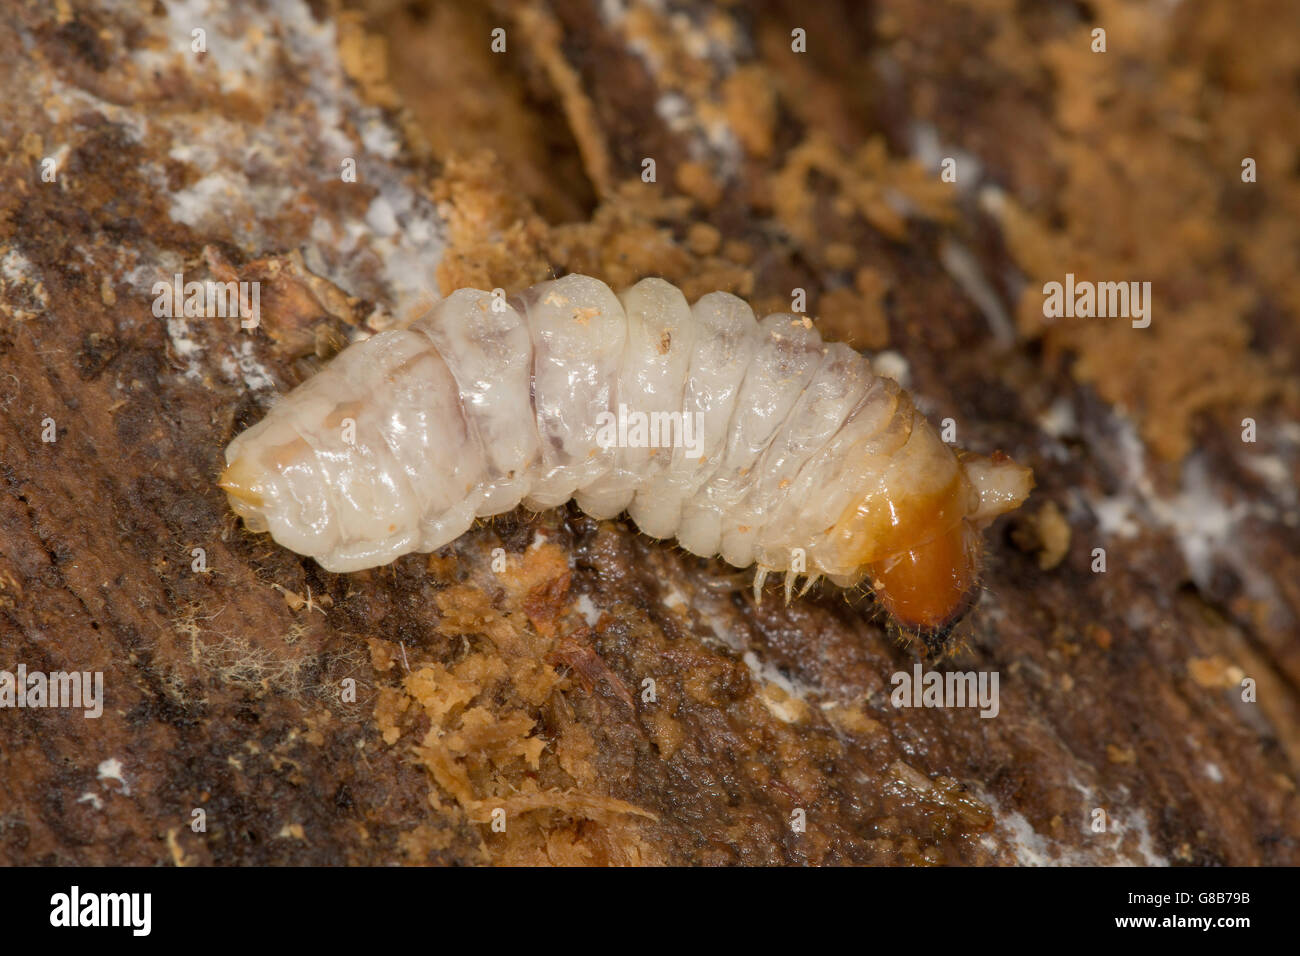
(920, 549)
(929, 587)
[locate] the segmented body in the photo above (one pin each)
(788, 453)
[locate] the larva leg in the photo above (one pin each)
(839, 385)
(1000, 483)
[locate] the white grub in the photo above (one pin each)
(787, 452)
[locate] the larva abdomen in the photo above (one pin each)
(785, 451)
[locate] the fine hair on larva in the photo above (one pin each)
(752, 440)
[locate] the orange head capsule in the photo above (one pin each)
(930, 586)
(918, 543)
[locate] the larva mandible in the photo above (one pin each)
(407, 437)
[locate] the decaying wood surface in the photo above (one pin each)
(613, 699)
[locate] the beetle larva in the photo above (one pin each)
(800, 459)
